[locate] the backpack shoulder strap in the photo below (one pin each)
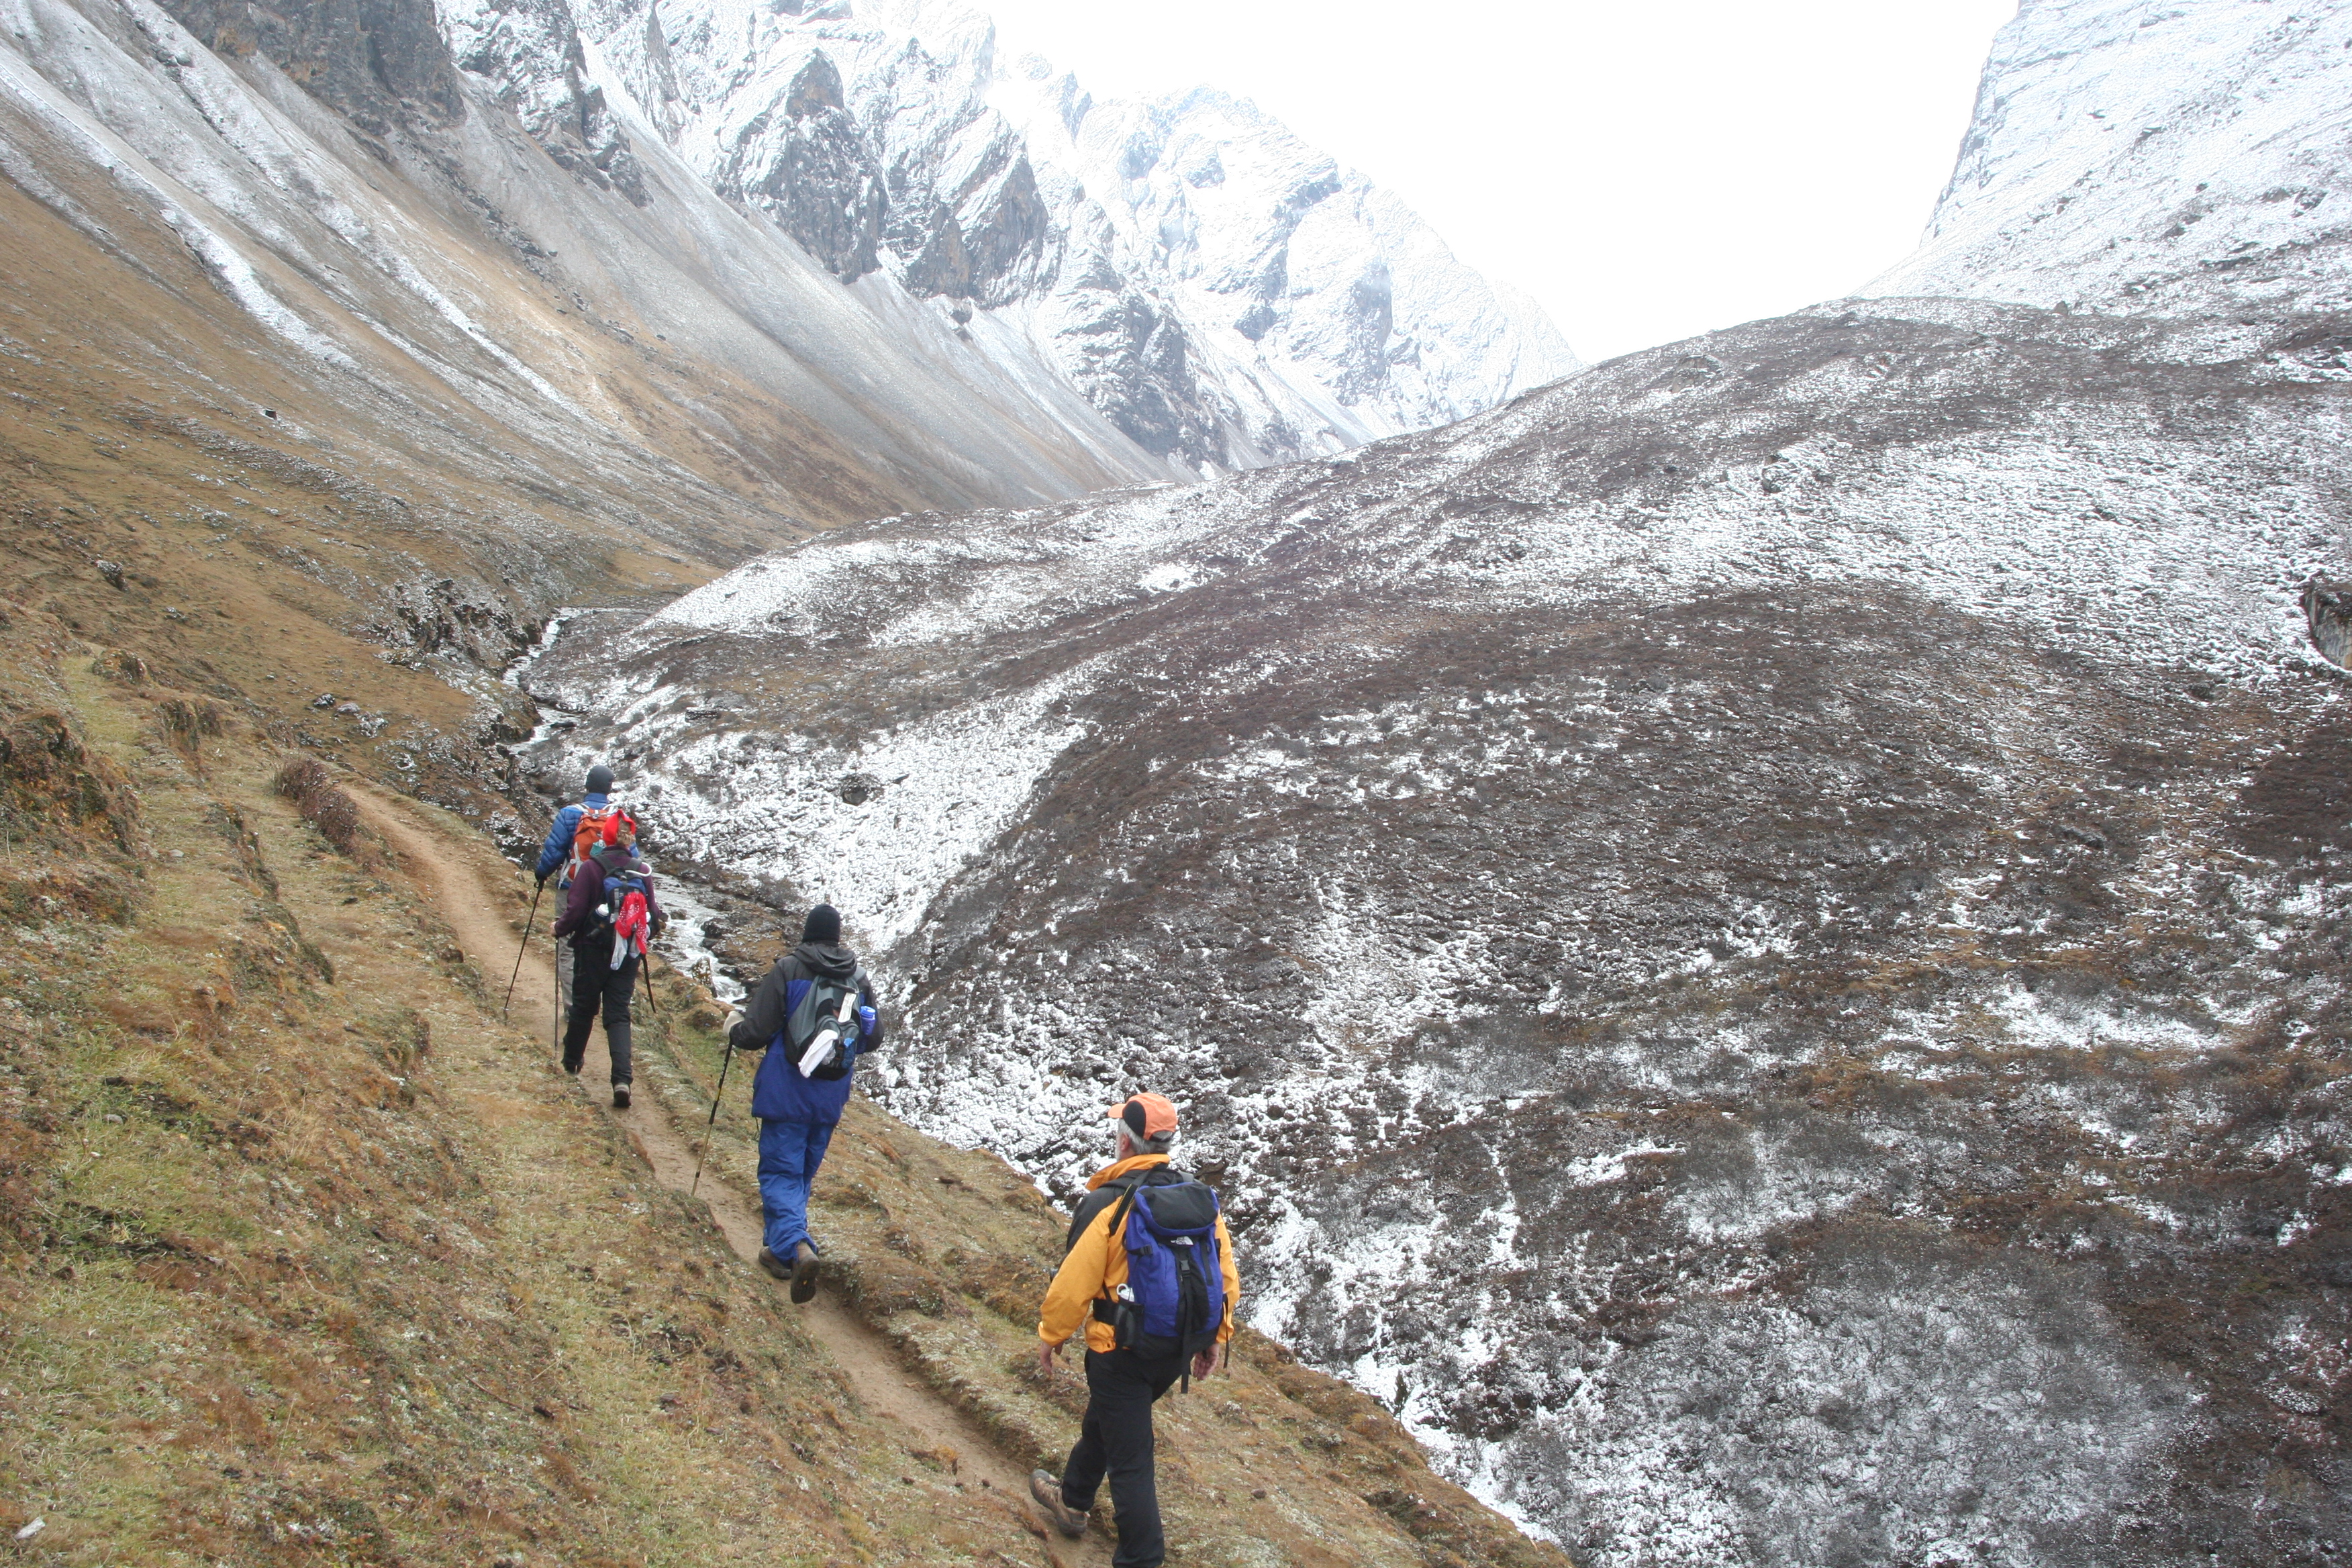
(1127, 1198)
(1093, 1205)
(1151, 1176)
(1127, 1186)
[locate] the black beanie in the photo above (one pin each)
(823, 925)
(600, 780)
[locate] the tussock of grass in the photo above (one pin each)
(311, 788)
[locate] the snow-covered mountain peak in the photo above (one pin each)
(2127, 154)
(1224, 293)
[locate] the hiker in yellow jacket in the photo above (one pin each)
(1092, 1288)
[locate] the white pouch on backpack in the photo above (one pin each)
(824, 1046)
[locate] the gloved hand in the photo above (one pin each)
(734, 1016)
(543, 876)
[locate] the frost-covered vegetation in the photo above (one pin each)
(1759, 916)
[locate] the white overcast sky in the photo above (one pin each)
(1647, 169)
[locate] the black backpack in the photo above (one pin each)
(824, 1024)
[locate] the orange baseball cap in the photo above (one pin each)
(1146, 1116)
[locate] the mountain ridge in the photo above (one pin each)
(2090, 177)
(1007, 189)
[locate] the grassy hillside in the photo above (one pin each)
(307, 1257)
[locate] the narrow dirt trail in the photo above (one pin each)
(473, 905)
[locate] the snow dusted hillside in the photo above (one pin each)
(1225, 295)
(2167, 155)
(1754, 938)
(281, 208)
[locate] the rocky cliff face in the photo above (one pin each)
(377, 61)
(2128, 155)
(1223, 294)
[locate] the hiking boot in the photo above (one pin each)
(1047, 1493)
(620, 1097)
(775, 1267)
(804, 1273)
(572, 1064)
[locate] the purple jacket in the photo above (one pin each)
(579, 919)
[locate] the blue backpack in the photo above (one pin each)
(1174, 1298)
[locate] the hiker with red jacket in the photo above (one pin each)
(561, 851)
(1148, 1268)
(610, 917)
(813, 1014)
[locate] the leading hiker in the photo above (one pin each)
(817, 1004)
(1148, 1267)
(611, 918)
(575, 831)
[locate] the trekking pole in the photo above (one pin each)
(651, 1005)
(529, 921)
(716, 1096)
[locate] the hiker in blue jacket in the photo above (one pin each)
(555, 856)
(798, 1110)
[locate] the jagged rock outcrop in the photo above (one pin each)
(808, 166)
(530, 51)
(377, 61)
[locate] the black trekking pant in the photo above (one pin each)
(1116, 1440)
(597, 987)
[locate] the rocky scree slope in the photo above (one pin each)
(312, 227)
(2183, 157)
(1223, 294)
(1754, 937)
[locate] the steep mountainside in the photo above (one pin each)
(309, 1254)
(1756, 935)
(2151, 155)
(298, 311)
(1753, 937)
(1225, 295)
(420, 263)
(431, 344)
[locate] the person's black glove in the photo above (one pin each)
(542, 879)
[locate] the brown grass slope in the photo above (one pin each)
(307, 1257)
